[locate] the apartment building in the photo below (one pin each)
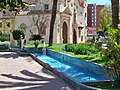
(93, 18)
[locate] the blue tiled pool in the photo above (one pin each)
(69, 70)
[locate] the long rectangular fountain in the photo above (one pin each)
(72, 74)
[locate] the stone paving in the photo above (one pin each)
(23, 73)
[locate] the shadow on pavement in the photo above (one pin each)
(13, 55)
(33, 82)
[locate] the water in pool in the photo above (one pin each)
(72, 71)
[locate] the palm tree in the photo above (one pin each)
(53, 17)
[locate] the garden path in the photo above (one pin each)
(23, 73)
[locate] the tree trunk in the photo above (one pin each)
(115, 13)
(53, 17)
(115, 22)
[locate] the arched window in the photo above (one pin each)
(64, 32)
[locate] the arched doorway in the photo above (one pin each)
(64, 32)
(74, 36)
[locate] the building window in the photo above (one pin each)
(46, 7)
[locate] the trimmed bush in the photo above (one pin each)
(17, 33)
(35, 37)
(3, 37)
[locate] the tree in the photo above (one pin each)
(13, 7)
(53, 17)
(11, 4)
(17, 34)
(115, 13)
(40, 20)
(36, 38)
(2, 4)
(115, 16)
(115, 48)
(106, 20)
(112, 53)
(112, 56)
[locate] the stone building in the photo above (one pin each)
(70, 25)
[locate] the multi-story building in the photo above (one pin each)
(70, 25)
(91, 15)
(93, 18)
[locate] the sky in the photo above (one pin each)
(99, 2)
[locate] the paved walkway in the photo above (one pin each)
(23, 73)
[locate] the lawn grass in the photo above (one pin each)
(33, 46)
(58, 48)
(28, 46)
(108, 87)
(92, 57)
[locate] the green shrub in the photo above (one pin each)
(4, 37)
(77, 49)
(4, 45)
(35, 37)
(17, 34)
(69, 47)
(82, 48)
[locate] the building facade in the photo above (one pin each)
(93, 18)
(91, 15)
(70, 25)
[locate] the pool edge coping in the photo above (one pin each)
(77, 86)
